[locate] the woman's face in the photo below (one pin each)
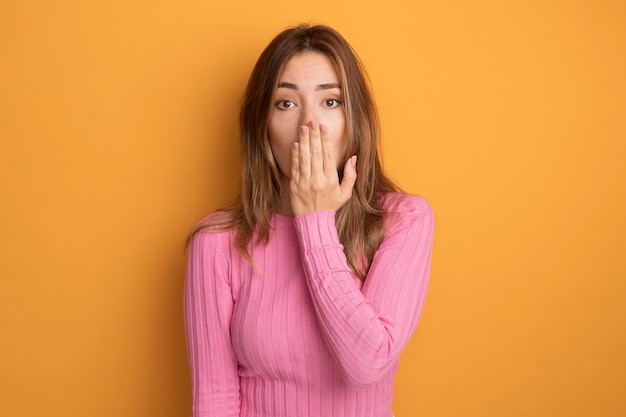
(309, 89)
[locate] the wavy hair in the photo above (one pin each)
(360, 222)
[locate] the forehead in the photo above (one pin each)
(309, 67)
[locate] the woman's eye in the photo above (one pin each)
(331, 103)
(285, 104)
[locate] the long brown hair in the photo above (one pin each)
(360, 222)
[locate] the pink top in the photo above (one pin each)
(298, 336)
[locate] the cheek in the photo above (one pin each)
(341, 141)
(280, 143)
(340, 153)
(280, 136)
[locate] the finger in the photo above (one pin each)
(315, 143)
(295, 162)
(304, 152)
(328, 152)
(349, 178)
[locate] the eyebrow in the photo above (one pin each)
(327, 86)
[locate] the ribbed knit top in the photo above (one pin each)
(297, 335)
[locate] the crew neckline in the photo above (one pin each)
(283, 217)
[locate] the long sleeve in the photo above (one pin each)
(367, 329)
(208, 308)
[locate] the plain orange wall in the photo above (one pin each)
(118, 130)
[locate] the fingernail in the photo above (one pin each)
(323, 128)
(353, 160)
(314, 124)
(303, 130)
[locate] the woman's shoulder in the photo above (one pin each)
(407, 214)
(407, 204)
(216, 229)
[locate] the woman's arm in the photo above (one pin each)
(208, 306)
(367, 329)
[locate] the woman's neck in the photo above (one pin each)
(284, 205)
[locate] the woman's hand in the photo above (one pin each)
(314, 180)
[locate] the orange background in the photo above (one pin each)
(118, 130)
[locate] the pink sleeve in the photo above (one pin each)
(208, 305)
(367, 329)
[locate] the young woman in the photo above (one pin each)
(300, 298)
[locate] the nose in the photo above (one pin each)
(308, 113)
